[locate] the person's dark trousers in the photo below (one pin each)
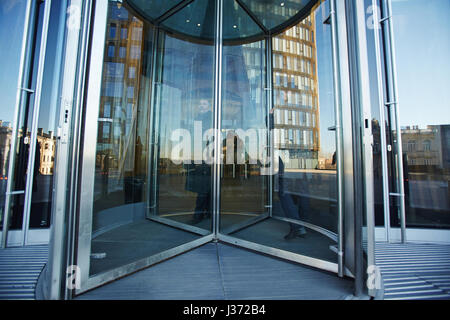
(202, 205)
(290, 209)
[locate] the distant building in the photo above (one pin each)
(5, 145)
(423, 147)
(296, 103)
(46, 144)
(122, 60)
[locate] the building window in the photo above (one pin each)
(123, 52)
(123, 33)
(132, 72)
(107, 110)
(411, 145)
(112, 31)
(135, 52)
(427, 145)
(111, 51)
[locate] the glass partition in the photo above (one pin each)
(303, 195)
(154, 179)
(183, 119)
(143, 198)
(244, 189)
(12, 16)
(423, 70)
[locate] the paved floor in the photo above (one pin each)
(219, 271)
(414, 270)
(19, 271)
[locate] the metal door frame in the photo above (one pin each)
(389, 104)
(88, 169)
(27, 236)
(80, 239)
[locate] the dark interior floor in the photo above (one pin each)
(219, 271)
(271, 232)
(134, 241)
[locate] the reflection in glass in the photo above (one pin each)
(304, 193)
(423, 70)
(244, 134)
(182, 125)
(237, 21)
(274, 13)
(143, 198)
(305, 186)
(27, 108)
(194, 20)
(11, 32)
(44, 158)
(376, 121)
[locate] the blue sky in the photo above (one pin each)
(12, 14)
(422, 35)
(11, 32)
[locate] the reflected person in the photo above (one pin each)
(198, 178)
(291, 210)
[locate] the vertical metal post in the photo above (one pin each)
(218, 44)
(12, 152)
(367, 137)
(35, 122)
(270, 142)
(75, 148)
(339, 147)
(74, 52)
(152, 139)
(385, 174)
(393, 104)
(362, 139)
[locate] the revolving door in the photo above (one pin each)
(210, 121)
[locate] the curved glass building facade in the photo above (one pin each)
(154, 127)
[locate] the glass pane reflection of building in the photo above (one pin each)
(304, 211)
(130, 203)
(157, 94)
(424, 112)
(11, 32)
(40, 186)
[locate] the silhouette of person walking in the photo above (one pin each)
(198, 178)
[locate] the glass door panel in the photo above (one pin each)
(150, 97)
(150, 168)
(425, 135)
(303, 217)
(30, 181)
(244, 189)
(182, 180)
(118, 218)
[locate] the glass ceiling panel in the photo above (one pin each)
(195, 20)
(237, 24)
(272, 13)
(153, 9)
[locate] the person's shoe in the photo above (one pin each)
(296, 233)
(196, 219)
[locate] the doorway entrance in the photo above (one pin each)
(209, 121)
(28, 120)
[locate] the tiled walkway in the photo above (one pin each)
(19, 271)
(218, 271)
(414, 270)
